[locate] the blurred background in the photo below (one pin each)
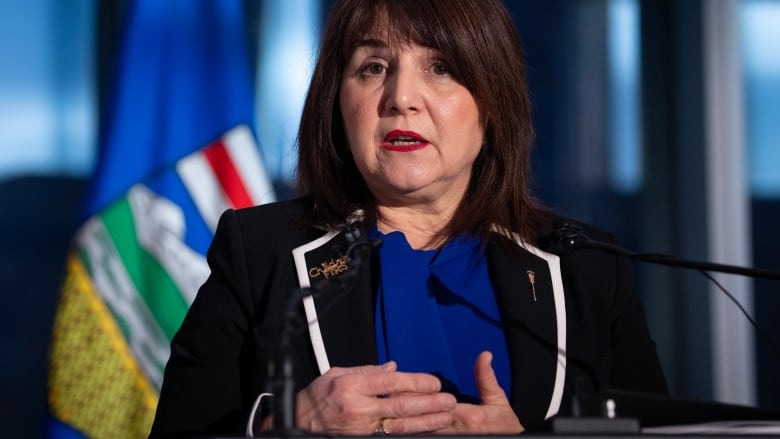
(658, 120)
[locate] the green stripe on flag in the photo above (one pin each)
(153, 283)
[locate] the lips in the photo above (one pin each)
(404, 141)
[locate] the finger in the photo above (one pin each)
(462, 414)
(490, 392)
(480, 419)
(412, 405)
(427, 423)
(390, 383)
(390, 366)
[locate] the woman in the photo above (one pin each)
(416, 133)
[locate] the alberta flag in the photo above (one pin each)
(175, 151)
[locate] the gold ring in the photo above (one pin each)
(380, 429)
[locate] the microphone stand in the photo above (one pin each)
(282, 368)
(667, 260)
(282, 373)
(571, 236)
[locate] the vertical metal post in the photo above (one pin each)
(728, 202)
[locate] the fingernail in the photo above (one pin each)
(436, 383)
(451, 401)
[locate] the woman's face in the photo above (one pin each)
(414, 131)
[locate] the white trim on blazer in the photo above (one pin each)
(299, 256)
(553, 263)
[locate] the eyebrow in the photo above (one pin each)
(371, 42)
(375, 43)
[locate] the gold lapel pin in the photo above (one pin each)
(532, 279)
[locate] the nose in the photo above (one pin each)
(403, 92)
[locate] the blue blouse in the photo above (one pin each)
(436, 311)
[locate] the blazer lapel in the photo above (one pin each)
(524, 294)
(342, 320)
(523, 283)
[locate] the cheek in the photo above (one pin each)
(360, 129)
(349, 112)
(461, 110)
(468, 113)
(471, 118)
(354, 130)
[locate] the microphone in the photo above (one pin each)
(281, 370)
(568, 237)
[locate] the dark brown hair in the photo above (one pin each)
(479, 39)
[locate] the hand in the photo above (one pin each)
(354, 401)
(494, 415)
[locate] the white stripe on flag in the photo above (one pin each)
(116, 287)
(242, 149)
(203, 186)
(159, 226)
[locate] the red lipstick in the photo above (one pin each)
(404, 141)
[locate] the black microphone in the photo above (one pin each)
(567, 237)
(281, 370)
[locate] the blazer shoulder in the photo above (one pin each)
(286, 212)
(269, 226)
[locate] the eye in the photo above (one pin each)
(373, 69)
(441, 68)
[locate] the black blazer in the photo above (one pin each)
(584, 331)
